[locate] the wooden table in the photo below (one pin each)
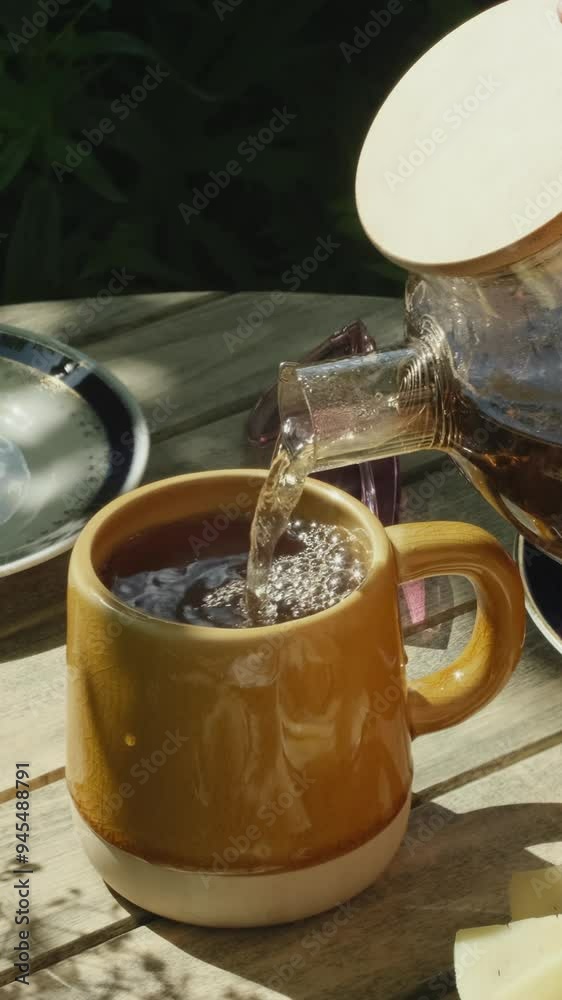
(488, 793)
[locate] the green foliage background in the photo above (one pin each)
(229, 68)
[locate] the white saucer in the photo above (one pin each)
(71, 439)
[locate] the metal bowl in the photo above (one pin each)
(71, 439)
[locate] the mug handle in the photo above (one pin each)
(485, 665)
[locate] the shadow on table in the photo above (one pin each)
(394, 942)
(400, 933)
(33, 605)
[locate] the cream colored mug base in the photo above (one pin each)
(221, 900)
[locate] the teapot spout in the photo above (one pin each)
(363, 408)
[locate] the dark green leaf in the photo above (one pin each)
(10, 119)
(138, 138)
(127, 247)
(246, 57)
(225, 249)
(13, 157)
(141, 262)
(90, 171)
(34, 250)
(13, 12)
(18, 97)
(103, 43)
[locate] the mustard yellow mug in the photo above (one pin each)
(256, 776)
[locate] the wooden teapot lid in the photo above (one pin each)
(461, 172)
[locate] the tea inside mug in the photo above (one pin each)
(194, 572)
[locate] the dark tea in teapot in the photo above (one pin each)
(518, 473)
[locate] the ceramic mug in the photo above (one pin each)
(243, 777)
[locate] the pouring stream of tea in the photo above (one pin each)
(278, 498)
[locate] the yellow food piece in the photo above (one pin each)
(518, 961)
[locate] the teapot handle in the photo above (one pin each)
(485, 665)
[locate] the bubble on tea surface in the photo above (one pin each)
(329, 567)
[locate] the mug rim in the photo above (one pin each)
(82, 572)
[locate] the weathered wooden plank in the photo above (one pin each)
(185, 371)
(183, 365)
(34, 600)
(78, 321)
(132, 967)
(453, 871)
(69, 901)
(221, 444)
(33, 700)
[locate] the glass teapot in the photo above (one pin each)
(457, 384)
(477, 220)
